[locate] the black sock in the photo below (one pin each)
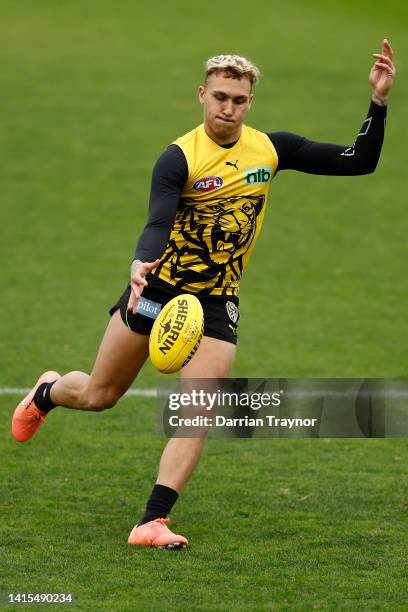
(160, 502)
(42, 397)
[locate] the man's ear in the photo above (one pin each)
(251, 97)
(201, 92)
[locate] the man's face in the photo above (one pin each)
(226, 102)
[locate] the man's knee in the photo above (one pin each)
(100, 399)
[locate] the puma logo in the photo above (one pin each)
(232, 164)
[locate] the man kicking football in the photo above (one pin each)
(207, 203)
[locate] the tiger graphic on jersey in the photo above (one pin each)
(215, 235)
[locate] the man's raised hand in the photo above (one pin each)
(382, 74)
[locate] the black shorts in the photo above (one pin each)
(221, 312)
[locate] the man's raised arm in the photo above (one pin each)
(298, 153)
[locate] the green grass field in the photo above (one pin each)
(91, 93)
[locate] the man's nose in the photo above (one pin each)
(228, 109)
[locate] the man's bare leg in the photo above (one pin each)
(121, 355)
(214, 359)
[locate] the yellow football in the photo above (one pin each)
(176, 333)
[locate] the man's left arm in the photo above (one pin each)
(298, 153)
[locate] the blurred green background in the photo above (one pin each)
(91, 94)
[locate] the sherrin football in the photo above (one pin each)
(176, 333)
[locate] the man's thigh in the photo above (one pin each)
(121, 355)
(214, 359)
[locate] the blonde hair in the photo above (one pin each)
(234, 67)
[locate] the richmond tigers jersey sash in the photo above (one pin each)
(221, 210)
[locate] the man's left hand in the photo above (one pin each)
(382, 74)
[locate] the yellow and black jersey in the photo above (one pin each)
(208, 201)
(222, 205)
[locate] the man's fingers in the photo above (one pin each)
(384, 58)
(131, 302)
(143, 267)
(381, 56)
(138, 282)
(384, 62)
(152, 264)
(138, 279)
(385, 67)
(387, 49)
(135, 294)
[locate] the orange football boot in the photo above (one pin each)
(156, 533)
(27, 418)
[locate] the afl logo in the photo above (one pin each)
(208, 183)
